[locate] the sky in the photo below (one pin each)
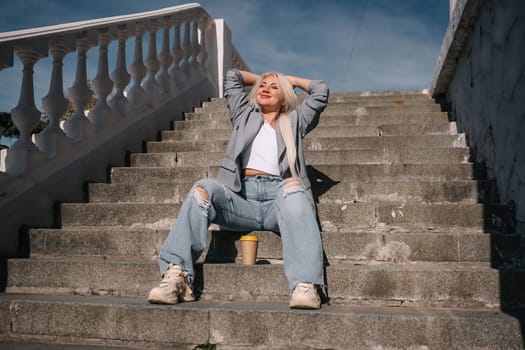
(353, 45)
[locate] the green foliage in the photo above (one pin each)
(8, 128)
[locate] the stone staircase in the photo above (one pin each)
(420, 254)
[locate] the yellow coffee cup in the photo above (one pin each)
(249, 245)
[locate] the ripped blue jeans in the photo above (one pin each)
(264, 203)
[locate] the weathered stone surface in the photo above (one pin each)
(157, 215)
(221, 120)
(446, 285)
(270, 326)
(323, 157)
(360, 246)
(402, 226)
(325, 143)
(103, 318)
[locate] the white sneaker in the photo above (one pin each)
(305, 296)
(173, 288)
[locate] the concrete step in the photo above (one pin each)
(333, 216)
(324, 131)
(358, 108)
(26, 343)
(325, 175)
(465, 285)
(408, 191)
(360, 105)
(207, 324)
(153, 175)
(371, 100)
(139, 193)
(152, 215)
(393, 191)
(325, 143)
(321, 157)
(360, 246)
(330, 174)
(221, 120)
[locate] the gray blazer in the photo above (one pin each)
(247, 120)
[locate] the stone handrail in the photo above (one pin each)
(193, 52)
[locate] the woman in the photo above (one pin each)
(256, 188)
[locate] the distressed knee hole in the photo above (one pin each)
(201, 196)
(292, 184)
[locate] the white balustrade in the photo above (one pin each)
(151, 86)
(79, 93)
(122, 116)
(164, 78)
(202, 23)
(196, 49)
(136, 94)
(177, 54)
(52, 138)
(25, 116)
(120, 76)
(187, 47)
(101, 114)
(159, 77)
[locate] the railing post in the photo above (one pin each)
(136, 94)
(26, 117)
(79, 94)
(196, 48)
(52, 138)
(151, 86)
(102, 114)
(203, 26)
(164, 79)
(120, 76)
(178, 55)
(187, 47)
(224, 52)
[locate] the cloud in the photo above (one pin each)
(395, 48)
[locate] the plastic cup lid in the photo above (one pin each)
(249, 238)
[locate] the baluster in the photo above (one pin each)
(186, 45)
(26, 117)
(55, 104)
(4, 178)
(203, 57)
(151, 86)
(3, 153)
(175, 71)
(102, 114)
(195, 65)
(136, 94)
(120, 76)
(164, 79)
(79, 94)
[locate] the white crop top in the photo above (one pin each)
(263, 154)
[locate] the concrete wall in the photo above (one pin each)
(485, 89)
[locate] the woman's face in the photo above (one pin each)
(269, 94)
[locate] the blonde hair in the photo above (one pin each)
(289, 97)
(284, 124)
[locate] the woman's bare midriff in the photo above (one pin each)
(253, 172)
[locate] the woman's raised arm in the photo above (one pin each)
(301, 83)
(248, 78)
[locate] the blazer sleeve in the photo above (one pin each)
(235, 94)
(310, 109)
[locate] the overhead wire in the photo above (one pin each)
(361, 15)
